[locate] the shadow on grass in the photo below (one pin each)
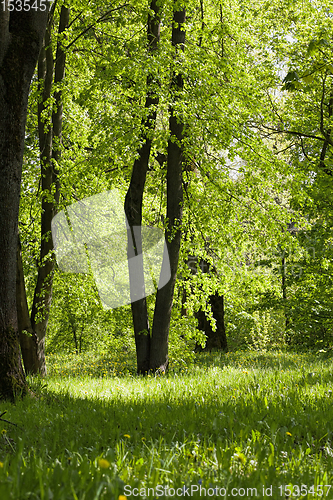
(184, 427)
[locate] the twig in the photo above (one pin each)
(7, 421)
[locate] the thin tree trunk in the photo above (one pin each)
(50, 152)
(28, 338)
(133, 204)
(159, 359)
(30, 346)
(284, 296)
(219, 338)
(215, 339)
(21, 35)
(75, 340)
(80, 341)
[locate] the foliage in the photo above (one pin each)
(259, 331)
(310, 304)
(300, 123)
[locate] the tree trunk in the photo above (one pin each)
(50, 151)
(217, 339)
(284, 297)
(133, 204)
(28, 338)
(159, 359)
(75, 340)
(21, 36)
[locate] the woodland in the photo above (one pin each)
(238, 98)
(213, 122)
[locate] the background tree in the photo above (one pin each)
(51, 71)
(56, 153)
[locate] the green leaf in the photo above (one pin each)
(312, 47)
(292, 76)
(308, 78)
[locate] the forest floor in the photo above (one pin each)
(237, 425)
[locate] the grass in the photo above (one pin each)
(236, 422)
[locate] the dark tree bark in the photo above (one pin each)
(159, 359)
(21, 36)
(292, 230)
(215, 339)
(28, 338)
(284, 297)
(133, 202)
(50, 133)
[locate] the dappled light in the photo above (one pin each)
(241, 420)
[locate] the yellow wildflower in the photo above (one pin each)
(103, 463)
(127, 436)
(122, 497)
(288, 434)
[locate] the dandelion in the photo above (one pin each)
(288, 434)
(127, 436)
(103, 463)
(122, 497)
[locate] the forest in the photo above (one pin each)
(166, 314)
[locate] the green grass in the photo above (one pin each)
(242, 420)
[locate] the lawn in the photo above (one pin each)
(240, 425)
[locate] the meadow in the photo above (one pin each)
(237, 425)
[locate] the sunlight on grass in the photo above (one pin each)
(92, 364)
(235, 420)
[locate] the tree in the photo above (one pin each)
(175, 162)
(21, 36)
(134, 196)
(215, 336)
(152, 353)
(48, 99)
(50, 73)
